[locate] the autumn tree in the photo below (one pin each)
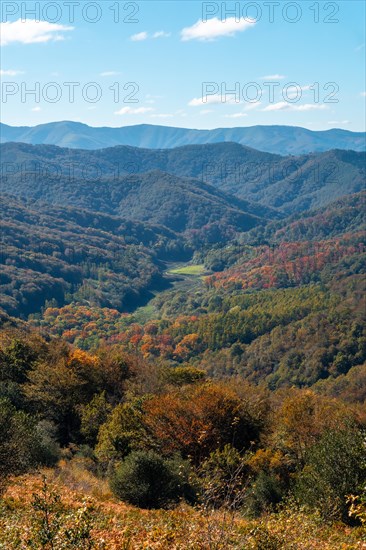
(122, 432)
(197, 420)
(302, 418)
(92, 416)
(56, 390)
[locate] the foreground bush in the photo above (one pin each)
(51, 525)
(223, 479)
(24, 445)
(147, 480)
(335, 468)
(265, 493)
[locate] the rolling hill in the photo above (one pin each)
(288, 184)
(155, 197)
(345, 215)
(64, 254)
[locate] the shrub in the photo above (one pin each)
(196, 420)
(357, 508)
(180, 376)
(122, 433)
(51, 526)
(335, 468)
(266, 491)
(23, 444)
(147, 480)
(48, 450)
(223, 479)
(263, 539)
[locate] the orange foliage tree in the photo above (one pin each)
(197, 420)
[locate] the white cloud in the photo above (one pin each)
(252, 106)
(36, 109)
(214, 28)
(280, 106)
(211, 100)
(284, 106)
(293, 92)
(338, 122)
(309, 107)
(132, 111)
(139, 37)
(206, 111)
(161, 34)
(10, 72)
(363, 94)
(273, 77)
(109, 73)
(31, 32)
(236, 115)
(161, 115)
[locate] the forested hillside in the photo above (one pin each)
(289, 184)
(266, 293)
(64, 254)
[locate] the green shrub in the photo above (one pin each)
(52, 526)
(92, 416)
(23, 444)
(264, 494)
(179, 376)
(334, 469)
(147, 480)
(224, 479)
(49, 450)
(121, 434)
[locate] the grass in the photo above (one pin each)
(195, 270)
(117, 526)
(144, 314)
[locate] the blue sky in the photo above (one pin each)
(294, 63)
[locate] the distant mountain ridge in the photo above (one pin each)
(284, 140)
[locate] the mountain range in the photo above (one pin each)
(284, 140)
(133, 182)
